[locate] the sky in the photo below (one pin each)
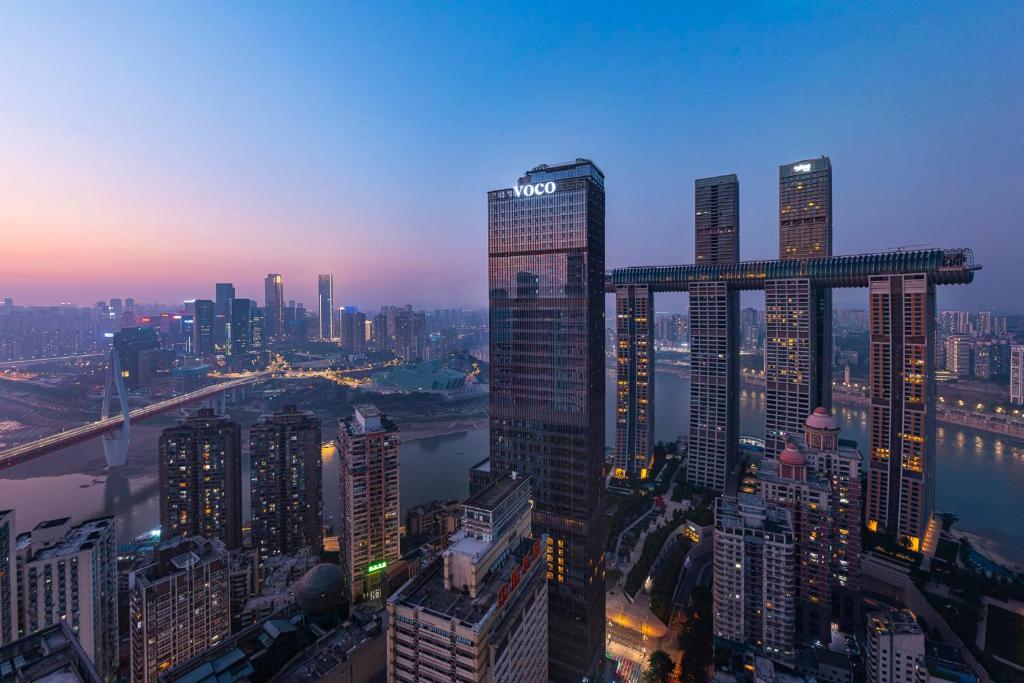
(153, 149)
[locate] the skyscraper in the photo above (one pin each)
(179, 605)
(201, 479)
(546, 281)
(286, 475)
(273, 309)
(901, 469)
(714, 337)
(754, 584)
(203, 327)
(798, 333)
(8, 583)
(129, 343)
(325, 293)
(634, 385)
(222, 309)
(485, 599)
(368, 490)
(242, 311)
(69, 575)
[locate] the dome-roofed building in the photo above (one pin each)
(321, 590)
(792, 462)
(821, 430)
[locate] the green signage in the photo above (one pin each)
(375, 567)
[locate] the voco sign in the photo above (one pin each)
(535, 190)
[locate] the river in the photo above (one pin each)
(979, 475)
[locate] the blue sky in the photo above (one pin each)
(153, 149)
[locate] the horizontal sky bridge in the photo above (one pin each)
(943, 266)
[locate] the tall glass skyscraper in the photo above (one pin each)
(273, 305)
(325, 294)
(546, 280)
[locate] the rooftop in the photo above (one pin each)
(427, 590)
(79, 538)
(52, 654)
(498, 491)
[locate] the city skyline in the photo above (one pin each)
(93, 169)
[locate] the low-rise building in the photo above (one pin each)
(52, 655)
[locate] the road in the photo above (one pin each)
(40, 361)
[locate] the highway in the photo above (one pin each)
(40, 361)
(27, 451)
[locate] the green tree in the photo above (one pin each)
(659, 667)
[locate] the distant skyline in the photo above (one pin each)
(152, 151)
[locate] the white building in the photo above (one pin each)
(755, 574)
(180, 604)
(69, 574)
(1017, 374)
(895, 648)
(480, 612)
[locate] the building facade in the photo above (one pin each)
(896, 648)
(714, 337)
(201, 479)
(179, 606)
(69, 575)
(1017, 374)
(798, 326)
(754, 584)
(479, 613)
(224, 295)
(286, 480)
(8, 578)
(634, 381)
(325, 303)
(273, 309)
(901, 469)
(203, 328)
(546, 281)
(369, 494)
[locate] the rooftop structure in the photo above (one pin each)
(51, 655)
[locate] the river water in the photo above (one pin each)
(980, 476)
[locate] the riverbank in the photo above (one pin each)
(411, 431)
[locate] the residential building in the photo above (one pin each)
(50, 655)
(634, 385)
(896, 648)
(1017, 374)
(369, 494)
(9, 629)
(69, 575)
(179, 606)
(286, 480)
(754, 585)
(200, 472)
(478, 613)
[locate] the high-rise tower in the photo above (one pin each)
(201, 479)
(325, 294)
(273, 309)
(546, 281)
(286, 476)
(901, 466)
(798, 331)
(222, 310)
(203, 327)
(714, 337)
(634, 381)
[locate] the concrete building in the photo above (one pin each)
(225, 294)
(180, 604)
(1017, 374)
(896, 648)
(714, 338)
(754, 586)
(479, 613)
(901, 469)
(634, 385)
(203, 328)
(201, 478)
(8, 578)
(52, 655)
(959, 354)
(546, 237)
(370, 510)
(818, 481)
(286, 480)
(69, 575)
(798, 328)
(433, 519)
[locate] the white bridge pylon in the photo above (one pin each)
(115, 444)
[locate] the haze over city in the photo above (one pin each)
(157, 148)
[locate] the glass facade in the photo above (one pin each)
(546, 281)
(634, 381)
